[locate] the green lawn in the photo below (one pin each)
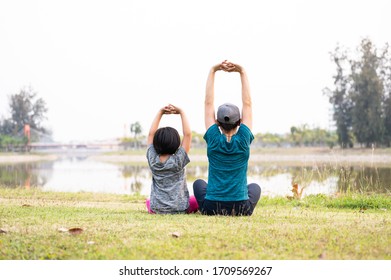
(35, 224)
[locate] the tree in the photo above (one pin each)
(25, 108)
(340, 100)
(367, 95)
(385, 75)
(6, 127)
(387, 121)
(361, 95)
(136, 129)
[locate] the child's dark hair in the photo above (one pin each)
(166, 140)
(227, 126)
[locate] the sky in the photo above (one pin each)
(103, 65)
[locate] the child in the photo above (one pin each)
(167, 159)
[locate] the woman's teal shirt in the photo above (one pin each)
(228, 162)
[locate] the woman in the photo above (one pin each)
(228, 137)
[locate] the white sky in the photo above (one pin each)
(101, 65)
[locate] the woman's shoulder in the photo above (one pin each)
(245, 134)
(212, 131)
(244, 129)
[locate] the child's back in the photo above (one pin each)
(169, 192)
(167, 158)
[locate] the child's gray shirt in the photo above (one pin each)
(169, 193)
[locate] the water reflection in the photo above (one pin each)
(136, 178)
(365, 179)
(25, 174)
(75, 174)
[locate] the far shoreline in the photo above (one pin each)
(303, 155)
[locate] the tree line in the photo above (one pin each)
(299, 136)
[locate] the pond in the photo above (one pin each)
(84, 174)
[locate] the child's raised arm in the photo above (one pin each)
(155, 123)
(186, 141)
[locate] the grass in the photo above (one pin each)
(352, 226)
